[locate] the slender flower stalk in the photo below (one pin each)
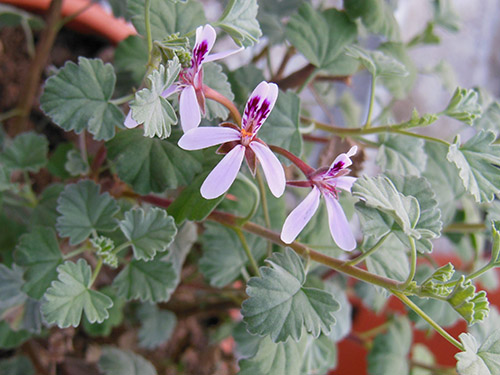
(239, 143)
(190, 84)
(326, 183)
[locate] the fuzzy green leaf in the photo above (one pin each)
(472, 306)
(149, 231)
(115, 316)
(400, 155)
(320, 36)
(78, 98)
(240, 21)
(38, 252)
(45, 212)
(18, 365)
(130, 60)
(479, 360)
(378, 63)
(151, 165)
(490, 119)
(478, 160)
(280, 305)
(464, 106)
(150, 108)
(223, 255)
(157, 326)
(71, 295)
(114, 361)
(75, 165)
(376, 15)
(27, 152)
(147, 281)
(83, 210)
(167, 17)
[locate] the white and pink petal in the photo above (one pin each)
(339, 226)
(129, 122)
(199, 138)
(273, 170)
(205, 40)
(259, 106)
(189, 109)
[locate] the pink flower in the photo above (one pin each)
(190, 84)
(326, 183)
(240, 143)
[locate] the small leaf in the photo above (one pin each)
(490, 119)
(464, 106)
(114, 361)
(399, 88)
(417, 121)
(479, 360)
(75, 165)
(18, 365)
(151, 165)
(478, 160)
(389, 351)
(147, 281)
(472, 306)
(104, 247)
(223, 255)
(398, 154)
(378, 63)
(282, 126)
(78, 98)
(38, 252)
(157, 326)
(376, 15)
(27, 152)
(45, 212)
(240, 21)
(115, 316)
(279, 305)
(445, 15)
(495, 248)
(149, 231)
(83, 210)
(320, 356)
(167, 17)
(11, 282)
(150, 108)
(343, 316)
(71, 295)
(10, 339)
(320, 36)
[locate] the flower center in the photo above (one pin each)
(246, 137)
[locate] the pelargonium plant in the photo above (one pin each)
(135, 240)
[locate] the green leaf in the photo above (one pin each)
(445, 15)
(389, 351)
(464, 106)
(279, 305)
(240, 21)
(444, 180)
(378, 63)
(104, 247)
(131, 58)
(490, 119)
(320, 36)
(83, 210)
(214, 78)
(71, 295)
(78, 98)
(428, 36)
(223, 255)
(38, 252)
(190, 205)
(147, 281)
(399, 88)
(490, 324)
(28, 152)
(343, 316)
(380, 193)
(57, 160)
(75, 165)
(115, 316)
(157, 326)
(472, 306)
(151, 165)
(320, 356)
(167, 17)
(149, 231)
(479, 360)
(10, 339)
(399, 154)
(376, 15)
(150, 108)
(478, 160)
(418, 121)
(45, 212)
(18, 365)
(282, 127)
(243, 80)
(114, 361)
(11, 282)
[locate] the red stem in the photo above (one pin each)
(303, 166)
(219, 98)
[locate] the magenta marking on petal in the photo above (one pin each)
(300, 216)
(223, 175)
(339, 226)
(259, 106)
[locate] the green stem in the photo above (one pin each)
(428, 319)
(248, 252)
(473, 275)
(147, 22)
(375, 331)
(465, 228)
(76, 252)
(256, 201)
(308, 80)
(413, 263)
(265, 209)
(371, 105)
(30, 195)
(421, 136)
(365, 255)
(97, 269)
(10, 113)
(123, 99)
(119, 248)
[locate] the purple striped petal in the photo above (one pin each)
(300, 216)
(339, 226)
(344, 182)
(259, 106)
(189, 109)
(343, 160)
(273, 170)
(223, 175)
(205, 39)
(222, 55)
(204, 137)
(129, 121)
